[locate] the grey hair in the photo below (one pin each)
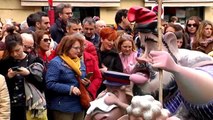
(60, 7)
(88, 20)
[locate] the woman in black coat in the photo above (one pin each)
(108, 57)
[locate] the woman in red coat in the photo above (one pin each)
(91, 64)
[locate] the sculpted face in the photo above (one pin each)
(148, 80)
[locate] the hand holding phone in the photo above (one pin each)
(16, 68)
(89, 75)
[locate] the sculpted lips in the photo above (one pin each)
(142, 73)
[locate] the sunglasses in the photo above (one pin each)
(191, 25)
(46, 39)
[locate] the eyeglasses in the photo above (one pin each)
(28, 47)
(47, 39)
(191, 25)
(77, 48)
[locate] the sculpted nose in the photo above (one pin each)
(144, 58)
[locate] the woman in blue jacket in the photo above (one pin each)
(63, 94)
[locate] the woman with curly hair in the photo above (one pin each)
(204, 37)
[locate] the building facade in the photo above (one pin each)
(183, 9)
(18, 10)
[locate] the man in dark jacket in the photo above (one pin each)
(63, 13)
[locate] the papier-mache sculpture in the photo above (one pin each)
(187, 75)
(116, 103)
(187, 80)
(111, 104)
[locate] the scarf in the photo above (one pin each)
(35, 101)
(72, 63)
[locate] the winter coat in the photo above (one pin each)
(4, 100)
(59, 79)
(96, 79)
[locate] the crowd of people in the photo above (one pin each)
(43, 65)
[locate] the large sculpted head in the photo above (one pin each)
(145, 77)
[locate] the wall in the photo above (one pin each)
(108, 14)
(208, 13)
(13, 9)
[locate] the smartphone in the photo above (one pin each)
(89, 75)
(16, 68)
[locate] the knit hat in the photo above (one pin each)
(145, 19)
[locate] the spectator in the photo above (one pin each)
(28, 42)
(42, 41)
(89, 56)
(61, 81)
(1, 31)
(23, 101)
(31, 21)
(128, 53)
(192, 25)
(99, 25)
(204, 37)
(122, 22)
(4, 100)
(63, 13)
(108, 57)
(42, 21)
(74, 26)
(23, 25)
(89, 31)
(173, 19)
(180, 34)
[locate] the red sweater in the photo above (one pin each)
(90, 48)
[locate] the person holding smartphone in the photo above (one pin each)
(15, 68)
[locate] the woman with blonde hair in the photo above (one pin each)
(127, 52)
(204, 37)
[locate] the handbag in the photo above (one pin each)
(85, 98)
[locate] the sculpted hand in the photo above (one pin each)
(163, 60)
(111, 99)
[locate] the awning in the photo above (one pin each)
(181, 3)
(74, 3)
